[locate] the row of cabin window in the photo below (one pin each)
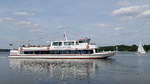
(60, 52)
(65, 43)
(70, 43)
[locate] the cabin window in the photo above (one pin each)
(77, 52)
(57, 43)
(60, 52)
(54, 52)
(85, 51)
(37, 52)
(89, 51)
(77, 43)
(28, 52)
(44, 52)
(68, 43)
(84, 41)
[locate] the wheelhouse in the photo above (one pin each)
(70, 42)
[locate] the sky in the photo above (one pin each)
(106, 22)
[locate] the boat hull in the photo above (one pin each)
(64, 56)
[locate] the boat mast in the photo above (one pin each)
(141, 49)
(65, 36)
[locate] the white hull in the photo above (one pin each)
(50, 56)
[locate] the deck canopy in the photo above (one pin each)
(64, 43)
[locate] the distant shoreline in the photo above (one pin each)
(4, 50)
(132, 48)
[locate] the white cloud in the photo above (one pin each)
(123, 3)
(24, 13)
(24, 23)
(115, 27)
(36, 25)
(131, 10)
(17, 22)
(126, 18)
(7, 19)
(103, 25)
(60, 26)
(119, 28)
(144, 14)
(36, 30)
(63, 26)
(27, 23)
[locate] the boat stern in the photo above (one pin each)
(13, 52)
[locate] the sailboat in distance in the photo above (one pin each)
(141, 49)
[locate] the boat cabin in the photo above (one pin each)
(81, 46)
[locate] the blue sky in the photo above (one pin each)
(106, 22)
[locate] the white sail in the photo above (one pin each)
(141, 49)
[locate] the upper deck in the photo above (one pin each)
(62, 45)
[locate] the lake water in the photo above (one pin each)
(124, 68)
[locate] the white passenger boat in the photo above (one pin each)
(67, 49)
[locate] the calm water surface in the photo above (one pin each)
(124, 68)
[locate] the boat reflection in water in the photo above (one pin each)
(60, 68)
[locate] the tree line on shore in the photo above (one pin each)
(131, 48)
(4, 50)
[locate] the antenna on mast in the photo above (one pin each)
(65, 36)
